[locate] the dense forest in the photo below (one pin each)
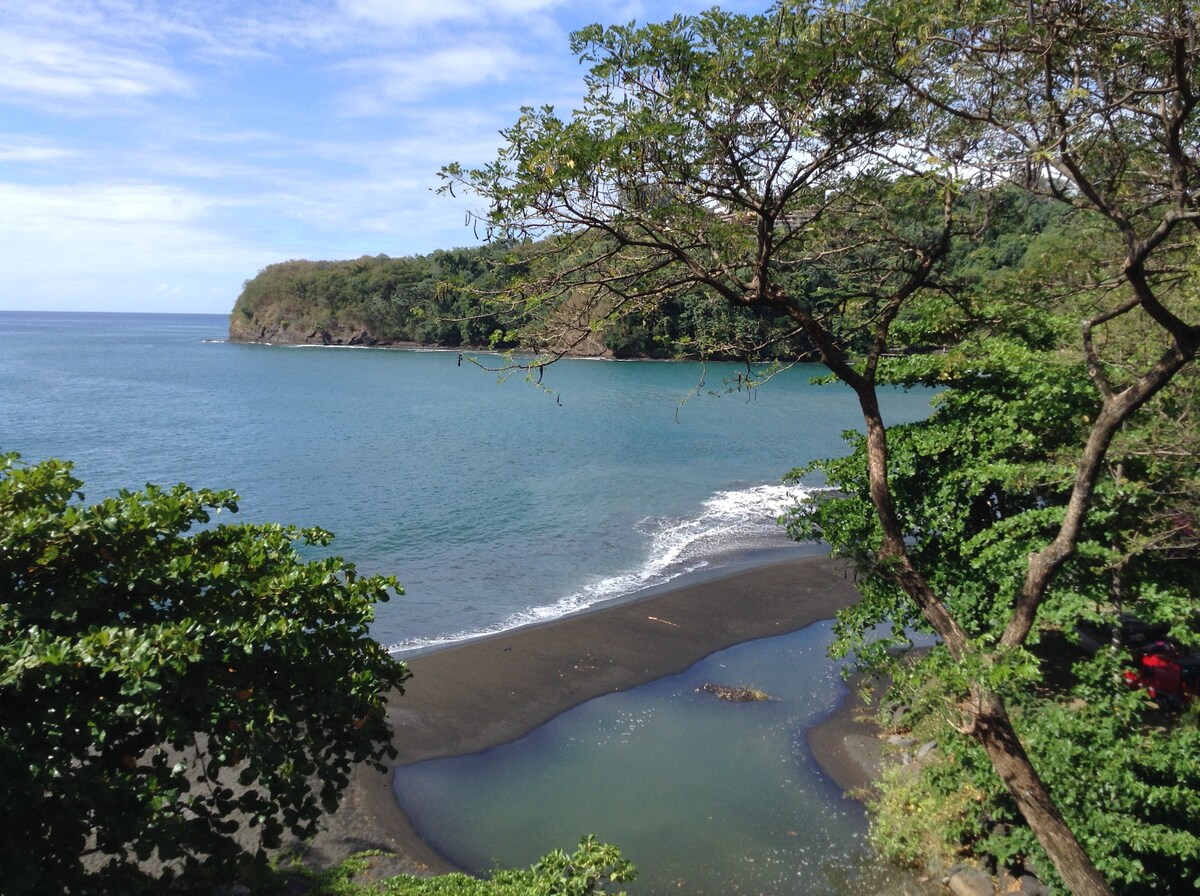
(453, 299)
(462, 298)
(425, 300)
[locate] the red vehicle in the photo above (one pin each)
(1170, 676)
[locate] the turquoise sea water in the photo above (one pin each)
(496, 504)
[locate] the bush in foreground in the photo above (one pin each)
(175, 696)
(586, 872)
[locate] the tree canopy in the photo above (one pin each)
(433, 299)
(452, 299)
(177, 694)
(844, 167)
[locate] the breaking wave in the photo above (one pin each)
(731, 525)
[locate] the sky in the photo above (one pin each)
(156, 154)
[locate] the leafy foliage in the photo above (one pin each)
(1122, 770)
(173, 693)
(699, 175)
(980, 485)
(851, 168)
(434, 299)
(586, 872)
(583, 873)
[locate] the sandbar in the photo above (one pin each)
(489, 691)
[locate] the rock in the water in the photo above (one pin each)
(734, 694)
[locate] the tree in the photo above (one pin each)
(1098, 104)
(168, 695)
(815, 162)
(979, 486)
(708, 156)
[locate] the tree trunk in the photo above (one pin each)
(993, 729)
(990, 725)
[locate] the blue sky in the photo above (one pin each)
(155, 155)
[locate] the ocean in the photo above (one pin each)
(496, 502)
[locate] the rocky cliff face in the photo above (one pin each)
(251, 329)
(243, 329)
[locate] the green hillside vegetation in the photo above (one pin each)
(179, 693)
(435, 299)
(462, 298)
(995, 199)
(456, 299)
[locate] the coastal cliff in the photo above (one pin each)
(251, 328)
(373, 300)
(438, 300)
(449, 300)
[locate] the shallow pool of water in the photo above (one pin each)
(704, 796)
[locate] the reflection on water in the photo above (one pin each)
(702, 795)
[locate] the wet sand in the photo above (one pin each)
(490, 691)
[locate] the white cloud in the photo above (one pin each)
(413, 13)
(166, 150)
(21, 149)
(413, 78)
(58, 240)
(152, 204)
(73, 71)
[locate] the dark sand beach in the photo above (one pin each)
(490, 691)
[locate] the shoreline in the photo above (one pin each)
(479, 694)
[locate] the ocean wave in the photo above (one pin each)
(730, 525)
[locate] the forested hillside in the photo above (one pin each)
(426, 300)
(453, 299)
(461, 298)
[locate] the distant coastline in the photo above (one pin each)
(449, 298)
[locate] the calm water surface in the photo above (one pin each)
(702, 795)
(496, 505)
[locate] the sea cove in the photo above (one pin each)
(495, 504)
(498, 505)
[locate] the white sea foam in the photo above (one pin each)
(729, 524)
